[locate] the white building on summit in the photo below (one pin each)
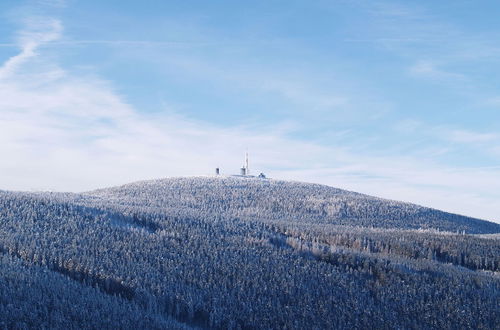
(244, 171)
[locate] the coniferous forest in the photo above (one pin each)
(242, 253)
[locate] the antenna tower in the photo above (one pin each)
(246, 164)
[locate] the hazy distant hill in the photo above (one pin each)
(241, 253)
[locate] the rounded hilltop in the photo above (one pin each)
(288, 200)
(205, 251)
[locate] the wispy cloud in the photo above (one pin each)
(443, 135)
(65, 132)
(438, 48)
(428, 69)
(465, 136)
(402, 22)
(38, 31)
(296, 88)
(492, 102)
(53, 3)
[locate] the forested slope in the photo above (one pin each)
(33, 296)
(284, 200)
(215, 253)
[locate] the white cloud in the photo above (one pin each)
(52, 3)
(465, 136)
(38, 31)
(492, 102)
(62, 132)
(443, 135)
(75, 133)
(296, 89)
(304, 95)
(408, 126)
(430, 70)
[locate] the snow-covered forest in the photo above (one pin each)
(242, 253)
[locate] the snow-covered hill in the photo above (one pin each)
(286, 201)
(241, 253)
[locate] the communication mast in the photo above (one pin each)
(244, 170)
(247, 169)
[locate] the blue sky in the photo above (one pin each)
(398, 99)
